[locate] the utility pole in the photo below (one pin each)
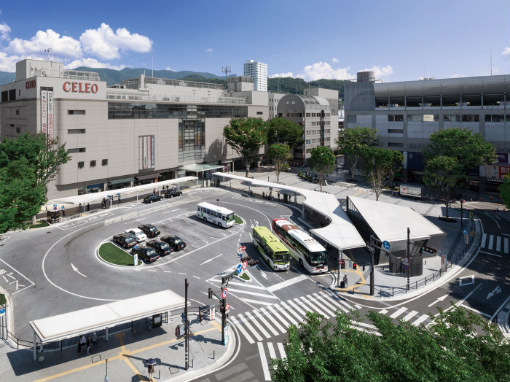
(461, 203)
(226, 70)
(186, 326)
(223, 303)
(408, 252)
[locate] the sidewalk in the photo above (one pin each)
(126, 353)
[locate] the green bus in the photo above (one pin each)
(271, 248)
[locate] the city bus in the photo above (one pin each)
(308, 252)
(271, 248)
(216, 215)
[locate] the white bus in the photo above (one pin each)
(309, 253)
(217, 215)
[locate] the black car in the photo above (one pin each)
(124, 240)
(149, 230)
(160, 247)
(172, 193)
(151, 198)
(147, 254)
(174, 241)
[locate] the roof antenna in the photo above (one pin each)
(49, 53)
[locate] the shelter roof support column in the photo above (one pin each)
(35, 346)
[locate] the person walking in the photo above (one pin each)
(89, 344)
(150, 368)
(81, 342)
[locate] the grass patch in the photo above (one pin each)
(245, 276)
(238, 220)
(39, 224)
(2, 299)
(113, 254)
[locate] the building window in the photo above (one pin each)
(104, 162)
(81, 164)
(259, 113)
(395, 144)
(471, 118)
(18, 130)
(76, 112)
(17, 111)
(75, 131)
(92, 163)
(452, 118)
(395, 131)
(351, 119)
(77, 150)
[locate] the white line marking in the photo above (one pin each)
(476, 311)
(505, 245)
(316, 299)
(261, 302)
(274, 322)
(263, 361)
(261, 318)
(398, 312)
(238, 291)
(491, 242)
(410, 315)
(246, 285)
(205, 262)
(310, 307)
(295, 314)
(461, 301)
(490, 253)
(293, 305)
(329, 300)
(422, 318)
(384, 311)
(281, 349)
(484, 238)
(248, 325)
(287, 283)
(278, 316)
(462, 283)
(242, 330)
(498, 244)
(257, 324)
(272, 353)
(286, 314)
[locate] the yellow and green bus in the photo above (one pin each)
(271, 248)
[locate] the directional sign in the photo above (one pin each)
(54, 207)
(224, 293)
(386, 245)
(239, 269)
(227, 307)
(2, 312)
(245, 265)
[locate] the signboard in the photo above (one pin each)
(242, 248)
(224, 293)
(44, 111)
(386, 245)
(135, 260)
(227, 307)
(2, 311)
(245, 265)
(51, 115)
(405, 260)
(212, 313)
(239, 269)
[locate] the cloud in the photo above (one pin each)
(380, 72)
(209, 50)
(8, 63)
(506, 51)
(91, 63)
(106, 44)
(334, 59)
(65, 45)
(169, 68)
(322, 70)
(288, 74)
(4, 31)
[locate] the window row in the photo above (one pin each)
(118, 110)
(104, 162)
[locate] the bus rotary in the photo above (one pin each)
(217, 215)
(310, 254)
(271, 248)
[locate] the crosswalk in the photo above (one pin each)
(251, 294)
(265, 359)
(495, 243)
(271, 320)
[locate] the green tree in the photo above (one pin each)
(380, 166)
(279, 154)
(354, 143)
(458, 346)
(245, 136)
(322, 161)
(284, 131)
(504, 191)
(442, 173)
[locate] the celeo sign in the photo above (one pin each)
(80, 87)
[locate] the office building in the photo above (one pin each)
(257, 71)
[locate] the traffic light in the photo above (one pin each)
(209, 293)
(342, 264)
(354, 265)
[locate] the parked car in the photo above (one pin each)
(172, 193)
(124, 240)
(137, 234)
(175, 242)
(147, 254)
(149, 229)
(152, 198)
(160, 247)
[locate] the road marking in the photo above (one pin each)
(287, 283)
(422, 318)
(289, 310)
(307, 304)
(458, 303)
(16, 280)
(281, 349)
(476, 311)
(384, 311)
(263, 361)
(242, 330)
(278, 316)
(286, 314)
(494, 292)
(261, 318)
(490, 253)
(205, 262)
(250, 301)
(505, 245)
(275, 323)
(461, 283)
(252, 293)
(398, 312)
(76, 270)
(257, 324)
(250, 328)
(272, 353)
(438, 300)
(498, 244)
(484, 238)
(491, 242)
(410, 315)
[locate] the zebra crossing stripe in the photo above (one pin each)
(260, 302)
(272, 353)
(491, 241)
(264, 321)
(505, 245)
(384, 311)
(295, 306)
(484, 238)
(328, 299)
(265, 295)
(281, 349)
(498, 244)
(248, 325)
(410, 315)
(315, 304)
(275, 323)
(263, 361)
(278, 315)
(286, 314)
(242, 330)
(420, 320)
(292, 311)
(369, 326)
(398, 312)
(345, 303)
(257, 324)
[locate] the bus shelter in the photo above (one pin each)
(84, 321)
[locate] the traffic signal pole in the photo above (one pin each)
(186, 326)
(223, 313)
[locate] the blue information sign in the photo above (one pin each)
(386, 245)
(239, 269)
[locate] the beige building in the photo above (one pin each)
(142, 130)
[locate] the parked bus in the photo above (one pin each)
(217, 215)
(271, 248)
(309, 253)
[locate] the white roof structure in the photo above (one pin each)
(390, 222)
(87, 320)
(340, 233)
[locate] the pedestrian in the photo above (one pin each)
(94, 338)
(80, 208)
(119, 199)
(81, 342)
(89, 344)
(150, 367)
(88, 206)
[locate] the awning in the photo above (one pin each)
(119, 181)
(147, 177)
(201, 167)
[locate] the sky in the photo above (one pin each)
(333, 39)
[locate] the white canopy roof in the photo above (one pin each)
(389, 221)
(99, 317)
(341, 233)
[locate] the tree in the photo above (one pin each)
(354, 143)
(44, 155)
(284, 131)
(320, 350)
(245, 136)
(280, 154)
(322, 161)
(504, 191)
(442, 173)
(380, 167)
